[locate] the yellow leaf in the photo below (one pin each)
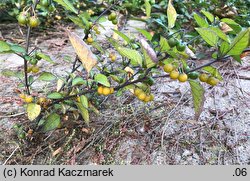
(172, 15)
(59, 85)
(130, 71)
(84, 53)
(33, 111)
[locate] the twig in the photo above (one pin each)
(10, 155)
(13, 115)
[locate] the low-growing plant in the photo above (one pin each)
(141, 61)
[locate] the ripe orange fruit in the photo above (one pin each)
(168, 68)
(203, 77)
(212, 81)
(174, 74)
(100, 90)
(106, 91)
(183, 77)
(28, 99)
(142, 96)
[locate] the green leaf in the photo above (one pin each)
(220, 34)
(4, 47)
(17, 49)
(78, 21)
(198, 97)
(133, 55)
(224, 47)
(145, 33)
(51, 122)
(33, 111)
(78, 81)
(237, 58)
(102, 79)
(172, 15)
(122, 35)
(208, 35)
(45, 57)
(55, 95)
(148, 61)
(213, 71)
(83, 108)
(46, 76)
(235, 26)
(239, 43)
(98, 47)
(200, 21)
(31, 79)
(164, 46)
(67, 5)
(8, 73)
(209, 16)
(148, 8)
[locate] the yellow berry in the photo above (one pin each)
(113, 58)
(147, 98)
(35, 69)
(29, 69)
(112, 90)
(203, 77)
(174, 74)
(212, 81)
(90, 40)
(100, 90)
(106, 91)
(28, 99)
(95, 28)
(151, 97)
(142, 96)
(183, 77)
(22, 96)
(41, 100)
(168, 68)
(137, 91)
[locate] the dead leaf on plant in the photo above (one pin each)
(84, 53)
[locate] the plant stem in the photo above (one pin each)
(25, 61)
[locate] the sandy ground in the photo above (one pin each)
(128, 131)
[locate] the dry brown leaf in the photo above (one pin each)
(84, 53)
(150, 51)
(224, 27)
